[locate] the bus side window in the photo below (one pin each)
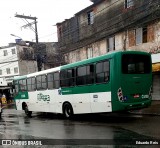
(50, 80)
(29, 84)
(41, 82)
(53, 80)
(16, 89)
(81, 73)
(102, 72)
(70, 77)
(56, 80)
(67, 78)
(38, 82)
(22, 85)
(63, 78)
(90, 74)
(44, 82)
(106, 67)
(85, 75)
(33, 83)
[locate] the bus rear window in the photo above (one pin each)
(136, 64)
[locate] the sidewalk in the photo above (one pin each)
(154, 109)
(8, 105)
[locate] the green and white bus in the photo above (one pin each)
(117, 81)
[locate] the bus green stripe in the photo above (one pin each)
(87, 89)
(22, 95)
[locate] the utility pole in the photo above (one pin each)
(39, 61)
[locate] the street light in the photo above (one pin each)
(15, 36)
(19, 40)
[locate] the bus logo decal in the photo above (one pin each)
(41, 97)
(23, 95)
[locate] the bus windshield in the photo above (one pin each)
(136, 64)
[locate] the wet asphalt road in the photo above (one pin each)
(122, 127)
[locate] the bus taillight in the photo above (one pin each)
(120, 94)
(150, 92)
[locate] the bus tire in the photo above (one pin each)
(67, 111)
(27, 112)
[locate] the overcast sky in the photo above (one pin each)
(48, 12)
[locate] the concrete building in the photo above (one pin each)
(15, 60)
(109, 25)
(51, 57)
(23, 58)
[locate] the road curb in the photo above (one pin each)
(153, 114)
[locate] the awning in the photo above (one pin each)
(156, 67)
(4, 88)
(155, 58)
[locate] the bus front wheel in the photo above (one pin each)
(27, 112)
(67, 110)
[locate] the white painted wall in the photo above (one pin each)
(155, 58)
(3, 82)
(11, 66)
(8, 61)
(10, 56)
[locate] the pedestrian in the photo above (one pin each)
(4, 101)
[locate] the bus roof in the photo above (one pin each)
(102, 57)
(83, 62)
(90, 60)
(43, 72)
(20, 77)
(37, 73)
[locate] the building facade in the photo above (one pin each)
(16, 59)
(109, 25)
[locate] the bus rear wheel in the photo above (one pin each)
(27, 112)
(67, 111)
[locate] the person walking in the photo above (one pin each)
(1, 99)
(4, 100)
